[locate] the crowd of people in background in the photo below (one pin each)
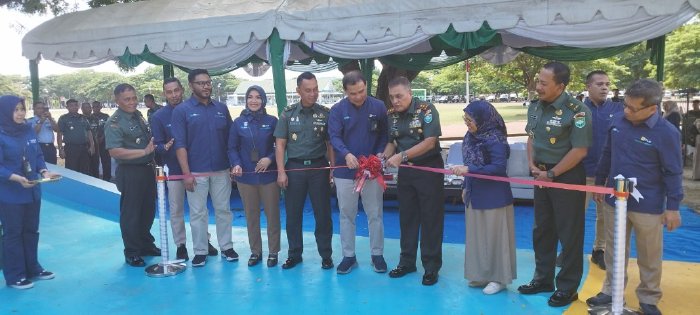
(573, 140)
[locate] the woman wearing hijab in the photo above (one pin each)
(489, 258)
(21, 164)
(251, 153)
(672, 113)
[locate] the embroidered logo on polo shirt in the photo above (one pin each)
(643, 140)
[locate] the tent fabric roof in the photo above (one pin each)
(217, 34)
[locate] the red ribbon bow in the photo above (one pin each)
(370, 168)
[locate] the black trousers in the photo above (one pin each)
(316, 184)
(77, 158)
(101, 154)
(421, 197)
(560, 216)
(49, 152)
(137, 206)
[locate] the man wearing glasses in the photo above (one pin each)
(643, 145)
(200, 127)
(559, 128)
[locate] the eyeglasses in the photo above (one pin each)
(202, 83)
(635, 110)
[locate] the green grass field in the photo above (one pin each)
(451, 114)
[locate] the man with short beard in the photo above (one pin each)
(200, 127)
(163, 140)
(602, 112)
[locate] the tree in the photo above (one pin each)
(683, 57)
(56, 7)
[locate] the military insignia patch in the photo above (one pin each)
(428, 118)
(552, 140)
(580, 122)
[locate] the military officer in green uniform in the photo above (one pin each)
(414, 128)
(302, 132)
(128, 140)
(74, 139)
(559, 129)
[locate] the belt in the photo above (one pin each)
(307, 161)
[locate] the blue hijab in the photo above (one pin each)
(8, 103)
(263, 97)
(490, 127)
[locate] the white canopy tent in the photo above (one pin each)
(219, 34)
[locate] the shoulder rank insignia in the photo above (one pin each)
(390, 111)
(573, 107)
(289, 107)
(423, 106)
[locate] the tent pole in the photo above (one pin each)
(277, 63)
(168, 71)
(367, 66)
(658, 52)
(34, 79)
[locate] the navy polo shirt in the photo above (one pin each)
(161, 127)
(361, 131)
(253, 132)
(601, 116)
(12, 148)
(651, 152)
(203, 131)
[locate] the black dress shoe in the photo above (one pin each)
(401, 271)
(430, 278)
(649, 309)
(600, 299)
(562, 298)
(598, 258)
(153, 251)
(326, 263)
(135, 261)
(535, 287)
(291, 262)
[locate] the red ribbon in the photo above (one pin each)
(593, 189)
(370, 168)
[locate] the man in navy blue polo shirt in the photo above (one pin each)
(643, 145)
(602, 111)
(200, 127)
(357, 127)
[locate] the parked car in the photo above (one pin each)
(443, 99)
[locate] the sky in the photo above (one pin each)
(14, 25)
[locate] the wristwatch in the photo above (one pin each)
(550, 174)
(404, 156)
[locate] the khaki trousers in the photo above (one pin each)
(219, 187)
(648, 231)
(599, 241)
(176, 201)
(252, 195)
(372, 202)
